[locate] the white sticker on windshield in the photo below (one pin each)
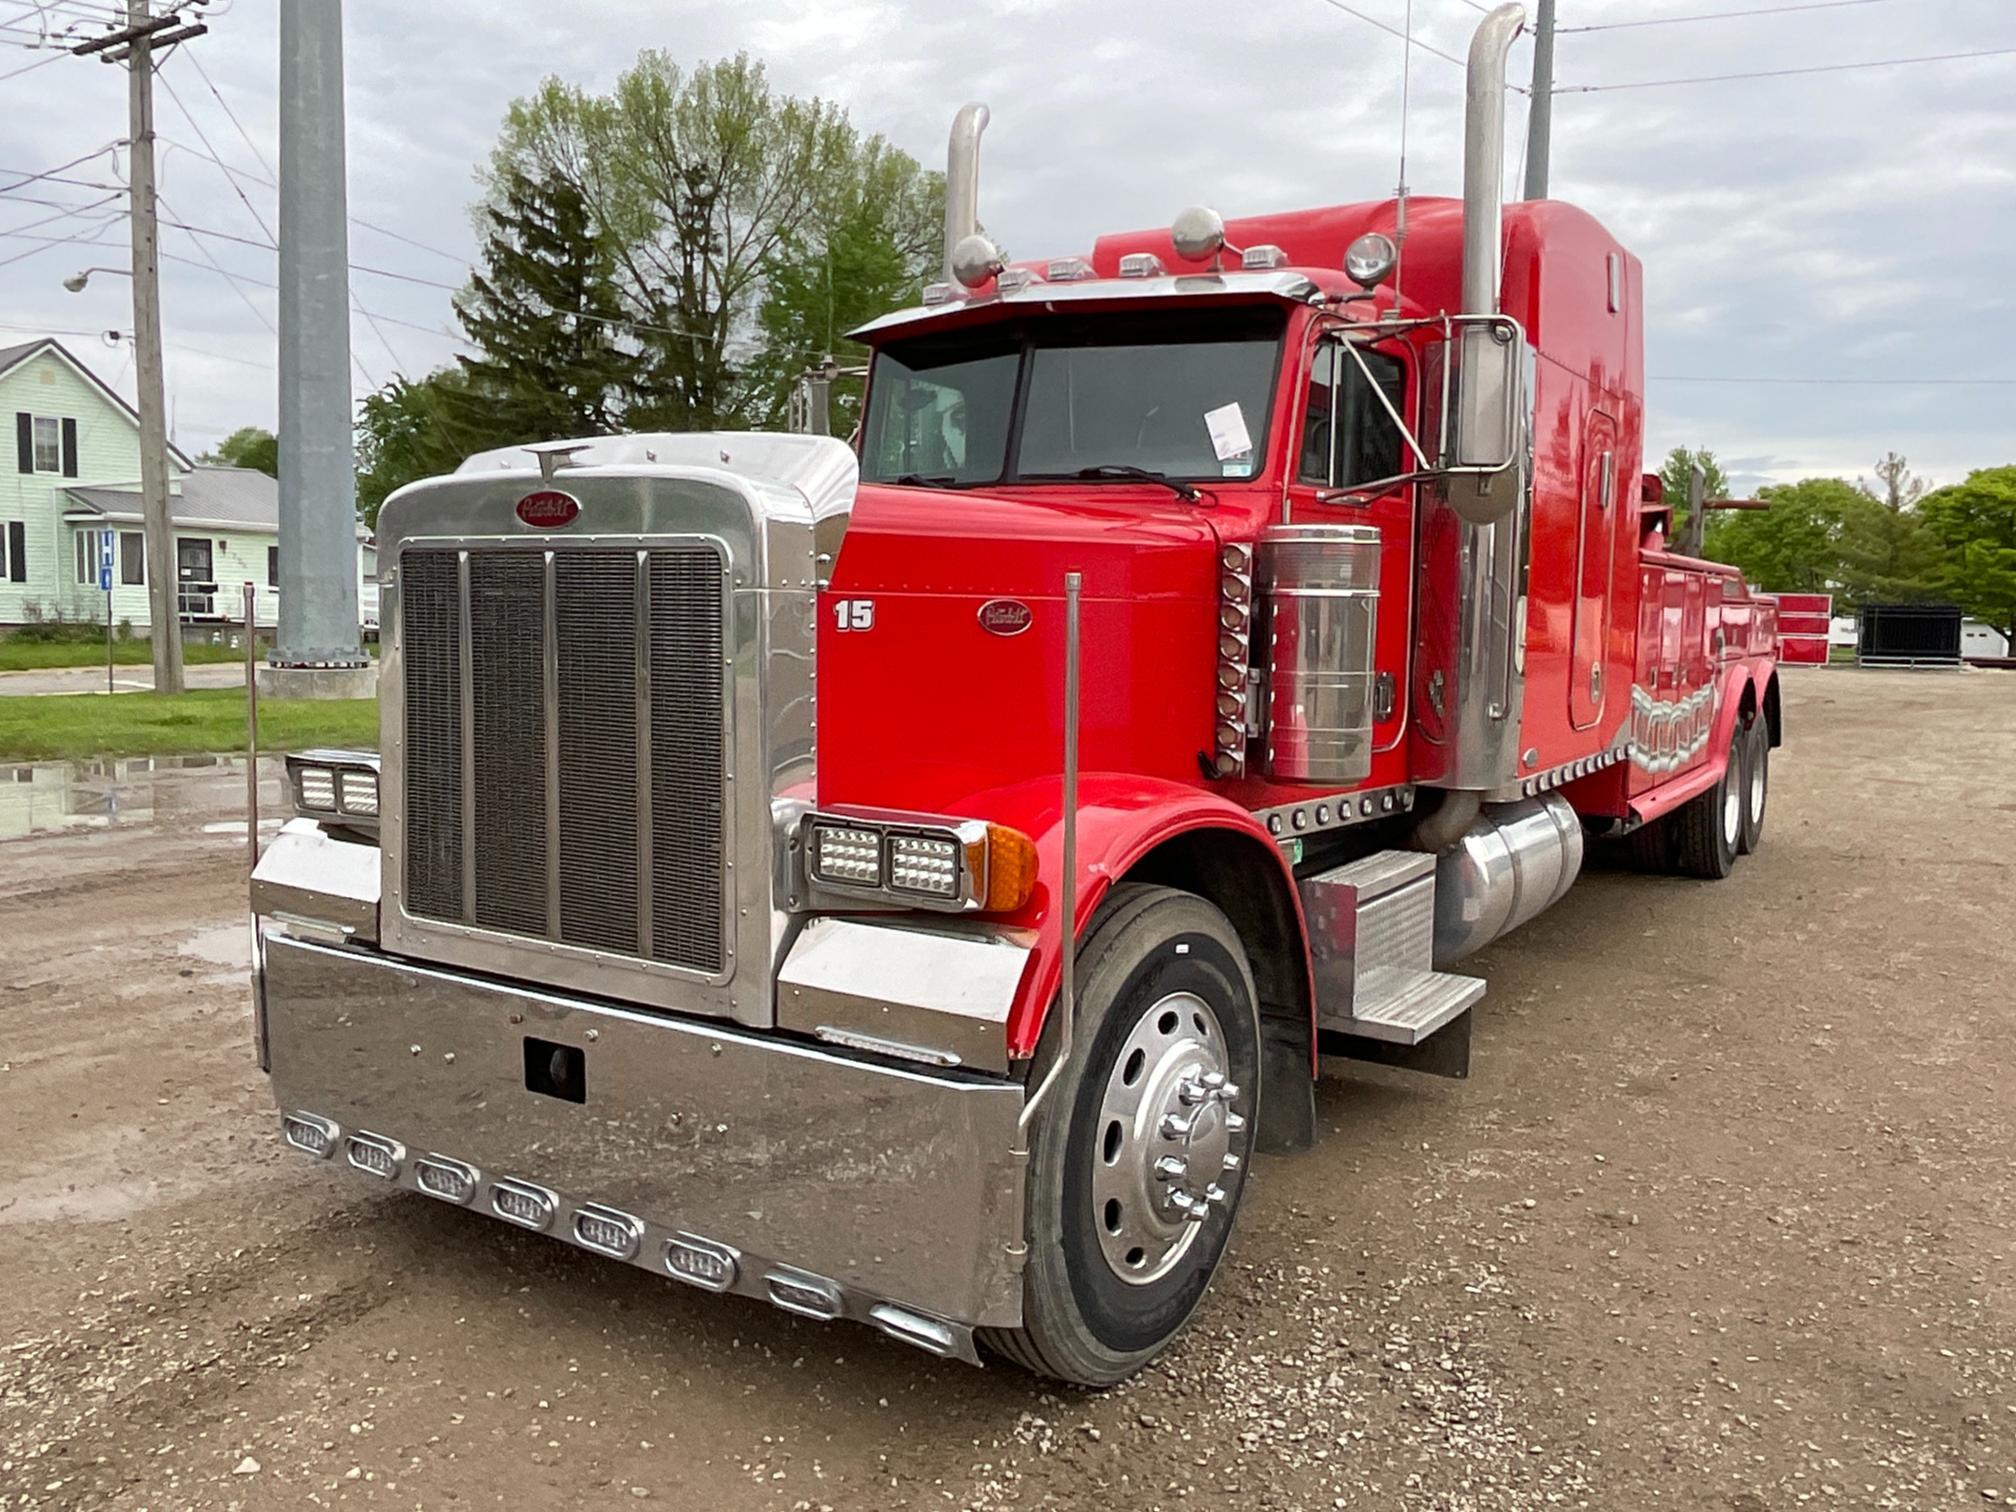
(1229, 436)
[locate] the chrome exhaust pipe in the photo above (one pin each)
(1483, 158)
(962, 179)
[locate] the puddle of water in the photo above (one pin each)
(54, 797)
(237, 826)
(223, 945)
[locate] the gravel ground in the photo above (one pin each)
(1722, 1220)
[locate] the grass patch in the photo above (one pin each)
(19, 655)
(76, 727)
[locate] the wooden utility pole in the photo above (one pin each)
(135, 46)
(164, 610)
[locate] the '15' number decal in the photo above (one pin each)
(854, 614)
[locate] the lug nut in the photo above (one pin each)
(1231, 1162)
(1227, 1091)
(1212, 1080)
(1176, 1126)
(1234, 1123)
(1172, 1168)
(1214, 1193)
(1190, 1091)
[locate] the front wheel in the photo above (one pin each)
(1137, 1162)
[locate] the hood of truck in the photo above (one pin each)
(942, 637)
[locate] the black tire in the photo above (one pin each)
(1081, 1320)
(1708, 830)
(1756, 783)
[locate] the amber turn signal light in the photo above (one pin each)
(1010, 868)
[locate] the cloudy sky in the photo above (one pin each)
(1850, 225)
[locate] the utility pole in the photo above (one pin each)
(164, 599)
(135, 47)
(316, 654)
(1540, 113)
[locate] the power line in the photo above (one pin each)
(1767, 10)
(1782, 73)
(204, 75)
(1394, 31)
(30, 68)
(81, 238)
(250, 208)
(31, 178)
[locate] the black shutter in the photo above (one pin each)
(17, 551)
(69, 448)
(24, 440)
(272, 566)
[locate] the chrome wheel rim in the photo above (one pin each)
(1167, 1141)
(1732, 813)
(1757, 791)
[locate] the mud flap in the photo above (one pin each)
(1287, 1090)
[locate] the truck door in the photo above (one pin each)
(1347, 440)
(1595, 560)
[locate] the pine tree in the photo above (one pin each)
(545, 317)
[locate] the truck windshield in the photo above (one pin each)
(1184, 397)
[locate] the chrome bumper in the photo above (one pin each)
(831, 1187)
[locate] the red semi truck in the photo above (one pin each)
(907, 882)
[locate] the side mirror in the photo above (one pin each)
(1486, 457)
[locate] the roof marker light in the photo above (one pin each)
(1141, 265)
(1009, 280)
(1067, 269)
(1262, 257)
(938, 293)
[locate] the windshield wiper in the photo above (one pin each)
(1147, 475)
(919, 480)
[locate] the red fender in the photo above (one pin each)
(1121, 818)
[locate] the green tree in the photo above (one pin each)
(1674, 474)
(545, 318)
(1975, 523)
(248, 446)
(1887, 554)
(418, 428)
(1795, 545)
(701, 186)
(864, 255)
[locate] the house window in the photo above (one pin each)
(132, 557)
(48, 444)
(272, 566)
(87, 558)
(16, 553)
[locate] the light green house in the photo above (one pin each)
(76, 456)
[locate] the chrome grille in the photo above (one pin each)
(586, 805)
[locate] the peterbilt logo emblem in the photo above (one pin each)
(549, 508)
(1005, 616)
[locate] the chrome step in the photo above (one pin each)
(1372, 939)
(1412, 1007)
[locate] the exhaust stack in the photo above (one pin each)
(962, 180)
(1483, 158)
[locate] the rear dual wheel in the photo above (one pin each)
(1708, 830)
(1756, 782)
(1138, 1160)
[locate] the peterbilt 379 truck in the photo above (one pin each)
(907, 881)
